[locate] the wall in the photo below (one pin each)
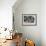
(43, 22)
(6, 13)
(28, 7)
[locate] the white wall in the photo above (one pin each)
(6, 13)
(43, 22)
(37, 33)
(28, 7)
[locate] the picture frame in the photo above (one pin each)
(29, 19)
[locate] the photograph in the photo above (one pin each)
(29, 19)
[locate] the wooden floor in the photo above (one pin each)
(16, 41)
(9, 43)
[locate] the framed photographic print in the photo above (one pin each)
(29, 19)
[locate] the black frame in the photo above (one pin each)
(29, 15)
